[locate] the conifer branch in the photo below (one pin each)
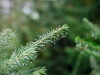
(7, 38)
(92, 26)
(86, 47)
(34, 71)
(94, 64)
(39, 71)
(77, 64)
(23, 55)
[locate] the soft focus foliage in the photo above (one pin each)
(30, 18)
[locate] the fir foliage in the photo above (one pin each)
(90, 48)
(34, 71)
(91, 26)
(7, 39)
(24, 55)
(7, 42)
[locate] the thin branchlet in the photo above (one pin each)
(94, 64)
(86, 47)
(39, 71)
(24, 54)
(34, 71)
(7, 38)
(92, 26)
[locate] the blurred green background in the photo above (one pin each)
(30, 18)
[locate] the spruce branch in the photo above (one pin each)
(34, 71)
(94, 64)
(7, 42)
(92, 26)
(23, 55)
(77, 64)
(39, 71)
(7, 38)
(86, 47)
